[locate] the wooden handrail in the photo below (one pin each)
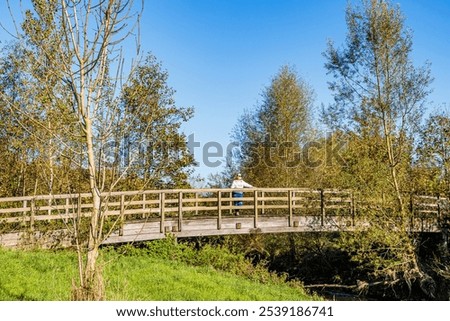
(157, 212)
(183, 202)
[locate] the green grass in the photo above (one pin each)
(37, 275)
(158, 280)
(47, 276)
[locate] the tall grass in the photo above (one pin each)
(160, 271)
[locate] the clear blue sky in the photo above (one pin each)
(220, 54)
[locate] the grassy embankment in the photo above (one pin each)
(160, 271)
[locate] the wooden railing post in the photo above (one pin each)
(66, 211)
(24, 206)
(180, 211)
(322, 207)
(122, 214)
(255, 208)
(144, 205)
(219, 210)
(439, 218)
(262, 203)
(411, 209)
(79, 211)
(196, 203)
(290, 208)
(352, 207)
(162, 200)
(32, 214)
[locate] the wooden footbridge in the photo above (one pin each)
(132, 216)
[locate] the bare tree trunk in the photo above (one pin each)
(93, 283)
(51, 156)
(393, 169)
(82, 46)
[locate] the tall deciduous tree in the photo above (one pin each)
(14, 142)
(377, 89)
(379, 97)
(86, 37)
(272, 135)
(78, 111)
(74, 84)
(154, 148)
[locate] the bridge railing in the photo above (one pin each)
(28, 210)
(35, 211)
(429, 212)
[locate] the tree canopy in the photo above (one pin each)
(271, 136)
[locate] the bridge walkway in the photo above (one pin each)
(147, 215)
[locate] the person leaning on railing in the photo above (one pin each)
(239, 183)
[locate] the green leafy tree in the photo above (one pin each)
(379, 97)
(272, 135)
(434, 152)
(163, 159)
(65, 52)
(13, 148)
(378, 92)
(38, 118)
(79, 112)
